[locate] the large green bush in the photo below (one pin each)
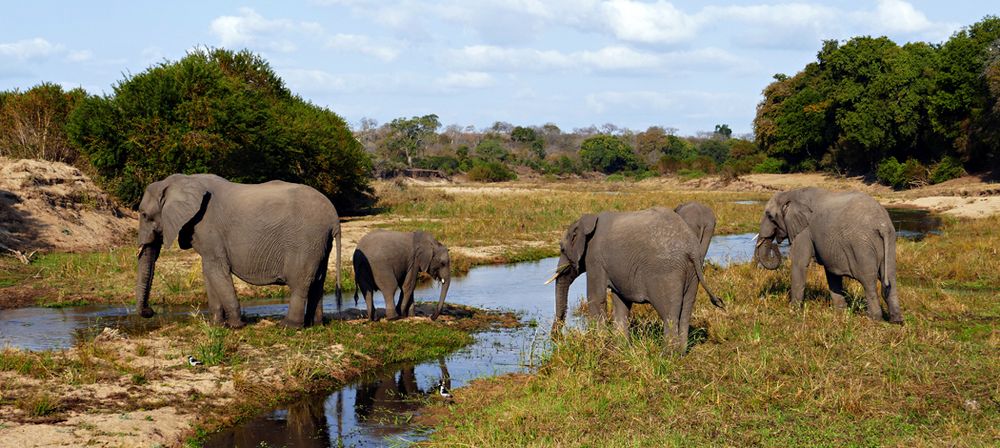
(946, 169)
(608, 154)
(222, 112)
(32, 123)
(490, 171)
(901, 175)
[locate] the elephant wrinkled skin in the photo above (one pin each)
(649, 256)
(387, 260)
(848, 233)
(275, 233)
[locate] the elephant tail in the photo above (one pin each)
(888, 257)
(701, 279)
(336, 236)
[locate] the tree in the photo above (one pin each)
(608, 154)
(408, 137)
(32, 123)
(491, 150)
(722, 131)
(222, 112)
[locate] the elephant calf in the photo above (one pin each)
(649, 256)
(849, 234)
(387, 260)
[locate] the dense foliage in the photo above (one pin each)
(32, 123)
(867, 103)
(220, 112)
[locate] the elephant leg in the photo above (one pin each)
(389, 294)
(891, 295)
(871, 296)
(801, 254)
(687, 306)
(836, 284)
(219, 285)
(668, 305)
(314, 305)
(296, 316)
(597, 294)
(620, 310)
(370, 303)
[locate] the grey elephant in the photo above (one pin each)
(387, 261)
(649, 256)
(275, 233)
(848, 233)
(701, 220)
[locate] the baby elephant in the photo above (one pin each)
(387, 260)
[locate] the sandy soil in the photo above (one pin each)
(53, 206)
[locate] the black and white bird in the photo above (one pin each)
(443, 390)
(193, 361)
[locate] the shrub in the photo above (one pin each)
(901, 175)
(608, 154)
(669, 164)
(446, 164)
(946, 169)
(221, 112)
(769, 165)
(490, 171)
(491, 149)
(617, 177)
(688, 174)
(701, 163)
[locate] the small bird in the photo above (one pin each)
(443, 390)
(193, 361)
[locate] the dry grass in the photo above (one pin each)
(763, 374)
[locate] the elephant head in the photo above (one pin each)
(573, 253)
(166, 213)
(432, 257)
(785, 216)
(701, 220)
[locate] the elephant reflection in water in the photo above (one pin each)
(304, 425)
(392, 395)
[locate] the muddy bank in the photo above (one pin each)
(141, 390)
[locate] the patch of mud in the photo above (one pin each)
(53, 206)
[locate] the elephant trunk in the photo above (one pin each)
(445, 283)
(148, 254)
(565, 274)
(767, 253)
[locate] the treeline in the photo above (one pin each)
(912, 114)
(496, 152)
(214, 111)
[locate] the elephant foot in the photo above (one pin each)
(288, 323)
(896, 320)
(391, 318)
(147, 312)
(234, 324)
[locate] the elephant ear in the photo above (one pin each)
(181, 204)
(579, 233)
(796, 218)
(423, 250)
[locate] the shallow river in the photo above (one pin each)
(375, 410)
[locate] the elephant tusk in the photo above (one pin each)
(756, 235)
(441, 280)
(139, 253)
(554, 276)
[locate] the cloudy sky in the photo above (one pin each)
(682, 64)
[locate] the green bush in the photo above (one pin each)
(769, 165)
(901, 175)
(490, 171)
(222, 112)
(946, 169)
(446, 164)
(608, 154)
(617, 177)
(688, 174)
(669, 164)
(491, 149)
(32, 123)
(701, 163)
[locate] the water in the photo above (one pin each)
(377, 410)
(914, 224)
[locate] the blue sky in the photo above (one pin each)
(682, 64)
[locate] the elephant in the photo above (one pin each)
(848, 233)
(274, 233)
(648, 256)
(701, 219)
(388, 260)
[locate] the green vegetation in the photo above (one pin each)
(761, 374)
(608, 154)
(32, 123)
(491, 171)
(869, 102)
(220, 112)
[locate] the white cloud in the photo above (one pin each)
(606, 59)
(683, 103)
(363, 44)
(80, 56)
(250, 29)
(26, 49)
(466, 80)
(314, 81)
(654, 23)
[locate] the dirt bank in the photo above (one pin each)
(52, 206)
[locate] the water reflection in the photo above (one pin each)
(369, 412)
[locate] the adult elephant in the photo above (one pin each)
(701, 220)
(388, 261)
(849, 234)
(649, 256)
(275, 233)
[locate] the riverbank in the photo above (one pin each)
(119, 390)
(761, 374)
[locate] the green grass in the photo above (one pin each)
(761, 374)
